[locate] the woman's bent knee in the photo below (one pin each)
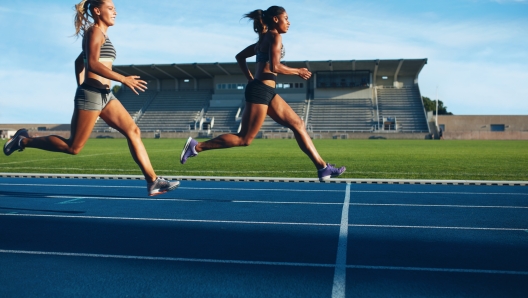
(298, 126)
(74, 150)
(133, 132)
(244, 141)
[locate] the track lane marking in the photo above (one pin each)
(73, 197)
(260, 222)
(271, 189)
(265, 263)
(339, 285)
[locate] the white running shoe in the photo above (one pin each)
(161, 186)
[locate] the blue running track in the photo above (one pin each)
(106, 238)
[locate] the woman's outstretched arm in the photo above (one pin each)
(96, 40)
(277, 67)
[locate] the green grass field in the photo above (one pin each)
(391, 159)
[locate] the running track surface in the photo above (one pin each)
(106, 238)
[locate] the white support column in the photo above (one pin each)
(375, 73)
(396, 83)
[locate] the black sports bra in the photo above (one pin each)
(265, 57)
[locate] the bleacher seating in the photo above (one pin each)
(224, 118)
(341, 115)
(270, 125)
(405, 105)
(174, 110)
(132, 103)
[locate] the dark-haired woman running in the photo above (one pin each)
(261, 99)
(93, 97)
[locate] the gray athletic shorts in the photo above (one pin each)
(91, 98)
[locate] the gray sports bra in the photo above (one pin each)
(108, 52)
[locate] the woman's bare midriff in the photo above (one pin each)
(98, 81)
(264, 74)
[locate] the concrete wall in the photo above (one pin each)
(478, 127)
(404, 81)
(348, 93)
(485, 135)
(227, 100)
(59, 127)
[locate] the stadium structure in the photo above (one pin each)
(343, 99)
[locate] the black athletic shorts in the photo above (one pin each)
(258, 92)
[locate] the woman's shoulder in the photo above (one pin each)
(93, 34)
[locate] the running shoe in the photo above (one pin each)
(161, 186)
(330, 172)
(14, 143)
(188, 150)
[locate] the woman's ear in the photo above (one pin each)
(97, 11)
(276, 19)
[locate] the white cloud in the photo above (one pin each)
(473, 59)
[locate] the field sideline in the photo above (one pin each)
(370, 159)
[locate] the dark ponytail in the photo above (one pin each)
(262, 19)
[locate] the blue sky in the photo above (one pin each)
(477, 49)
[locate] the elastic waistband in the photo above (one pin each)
(259, 82)
(94, 89)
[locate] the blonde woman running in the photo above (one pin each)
(93, 97)
(261, 98)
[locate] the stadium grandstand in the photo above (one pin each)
(342, 99)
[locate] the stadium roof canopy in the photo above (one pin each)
(395, 67)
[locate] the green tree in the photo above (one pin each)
(116, 89)
(430, 105)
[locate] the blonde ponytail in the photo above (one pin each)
(83, 14)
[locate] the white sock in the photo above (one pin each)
(323, 168)
(194, 149)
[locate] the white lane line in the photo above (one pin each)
(339, 286)
(440, 192)
(275, 189)
(176, 220)
(258, 222)
(438, 205)
(277, 202)
(192, 200)
(433, 227)
(72, 201)
(67, 254)
(191, 188)
(240, 262)
(449, 270)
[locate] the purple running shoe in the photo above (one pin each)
(330, 172)
(14, 143)
(161, 186)
(188, 150)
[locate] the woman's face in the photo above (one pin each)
(106, 13)
(281, 22)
